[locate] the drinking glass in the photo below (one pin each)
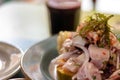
(64, 15)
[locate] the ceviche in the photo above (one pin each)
(92, 52)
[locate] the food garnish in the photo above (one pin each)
(98, 24)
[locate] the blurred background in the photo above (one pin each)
(23, 22)
(27, 21)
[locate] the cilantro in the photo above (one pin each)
(94, 77)
(97, 23)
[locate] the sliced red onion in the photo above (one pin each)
(63, 56)
(71, 65)
(118, 62)
(79, 40)
(74, 63)
(88, 71)
(97, 63)
(81, 69)
(115, 75)
(80, 59)
(84, 49)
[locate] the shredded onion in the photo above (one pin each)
(118, 60)
(63, 56)
(85, 62)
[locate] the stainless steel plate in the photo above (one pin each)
(35, 62)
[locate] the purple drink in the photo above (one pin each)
(64, 15)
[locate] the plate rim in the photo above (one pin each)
(27, 52)
(17, 67)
